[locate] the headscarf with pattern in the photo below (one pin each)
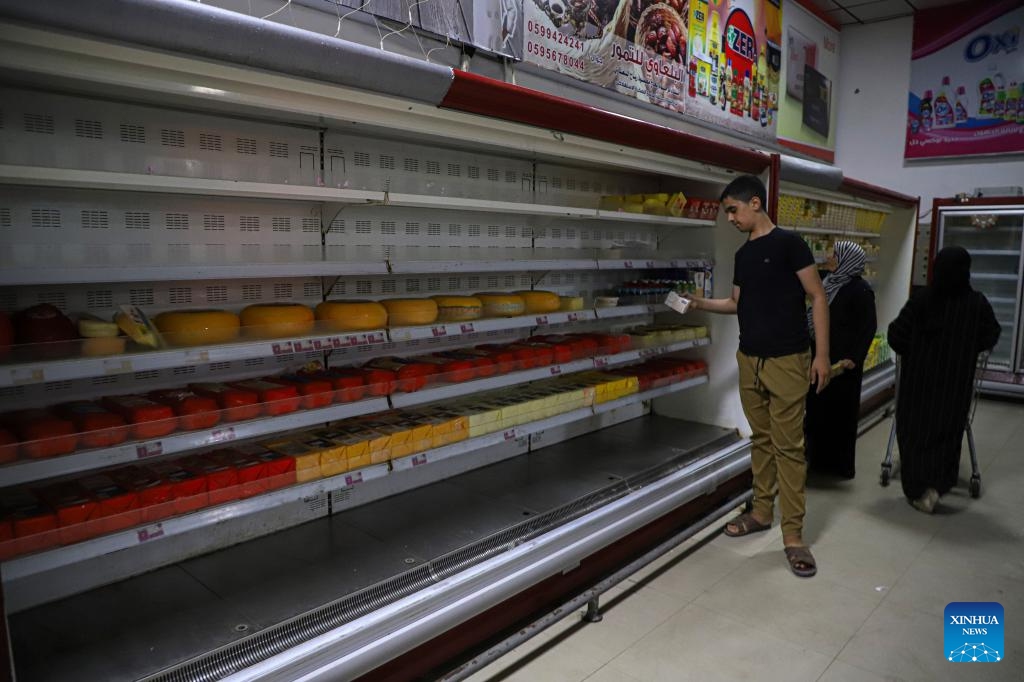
(850, 260)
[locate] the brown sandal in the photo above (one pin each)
(801, 561)
(745, 524)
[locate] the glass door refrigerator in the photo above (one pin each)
(992, 229)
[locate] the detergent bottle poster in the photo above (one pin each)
(734, 62)
(967, 81)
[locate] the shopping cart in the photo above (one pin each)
(975, 485)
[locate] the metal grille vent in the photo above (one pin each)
(510, 280)
(92, 130)
(176, 221)
(249, 223)
(252, 292)
(474, 230)
(337, 226)
(454, 170)
(494, 231)
(473, 172)
(282, 290)
(213, 223)
(524, 281)
(172, 138)
(511, 176)
(363, 227)
(54, 298)
(386, 162)
(211, 142)
(362, 159)
(39, 123)
(510, 232)
(310, 225)
(95, 220)
(411, 165)
(556, 279)
(454, 230)
(219, 366)
(136, 220)
(5, 217)
(245, 145)
(284, 359)
(254, 362)
(12, 392)
(387, 227)
(364, 287)
(1, 119)
(141, 296)
(183, 371)
(216, 294)
(433, 284)
(434, 229)
(146, 375)
(412, 228)
(99, 299)
(279, 149)
(453, 283)
(45, 218)
(57, 386)
(135, 134)
(311, 290)
(180, 295)
(556, 233)
(493, 175)
(433, 168)
(412, 286)
(388, 286)
(492, 282)
(570, 184)
(103, 381)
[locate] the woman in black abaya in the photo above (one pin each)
(938, 335)
(830, 425)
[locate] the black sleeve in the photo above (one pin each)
(989, 327)
(736, 275)
(800, 255)
(901, 330)
(867, 324)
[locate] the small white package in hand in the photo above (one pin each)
(677, 302)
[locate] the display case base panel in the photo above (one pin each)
(147, 624)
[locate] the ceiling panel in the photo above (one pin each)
(847, 12)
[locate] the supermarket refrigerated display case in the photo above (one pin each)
(991, 230)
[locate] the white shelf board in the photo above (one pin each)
(17, 275)
(80, 368)
(630, 310)
(999, 277)
(35, 470)
(1004, 300)
(22, 567)
(446, 266)
(993, 252)
(625, 216)
(68, 178)
(980, 230)
(447, 329)
(651, 263)
(485, 205)
(839, 232)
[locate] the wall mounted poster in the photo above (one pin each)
(807, 113)
(715, 60)
(966, 79)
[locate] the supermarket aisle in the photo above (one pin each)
(722, 608)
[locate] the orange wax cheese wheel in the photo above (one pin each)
(405, 312)
(458, 308)
(540, 301)
(197, 327)
(352, 316)
(502, 305)
(277, 320)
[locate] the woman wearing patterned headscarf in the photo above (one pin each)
(830, 425)
(938, 335)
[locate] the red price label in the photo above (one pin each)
(542, 319)
(573, 317)
(151, 532)
(197, 356)
(467, 328)
(600, 362)
(374, 337)
(510, 434)
(352, 479)
(555, 370)
(419, 459)
(149, 449)
(439, 331)
(282, 348)
(221, 435)
(304, 345)
(627, 264)
(673, 264)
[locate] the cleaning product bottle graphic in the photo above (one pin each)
(986, 97)
(943, 107)
(1012, 102)
(724, 68)
(960, 114)
(926, 111)
(999, 104)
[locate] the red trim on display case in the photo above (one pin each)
(871, 192)
(933, 242)
(489, 97)
(817, 152)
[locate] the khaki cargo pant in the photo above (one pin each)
(773, 392)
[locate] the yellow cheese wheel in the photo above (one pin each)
(405, 312)
(276, 320)
(502, 305)
(570, 303)
(458, 308)
(540, 301)
(197, 327)
(352, 316)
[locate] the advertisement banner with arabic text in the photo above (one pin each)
(967, 81)
(716, 61)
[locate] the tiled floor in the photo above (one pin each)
(720, 608)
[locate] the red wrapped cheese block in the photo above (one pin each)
(349, 384)
(509, 359)
(155, 494)
(483, 364)
(250, 471)
(279, 470)
(236, 404)
(97, 426)
(315, 392)
(8, 446)
(188, 488)
(194, 411)
(277, 399)
(74, 507)
(221, 479)
(379, 381)
(451, 370)
(149, 419)
(541, 354)
(117, 508)
(412, 374)
(31, 521)
(42, 434)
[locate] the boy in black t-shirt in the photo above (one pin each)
(775, 271)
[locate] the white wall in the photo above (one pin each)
(874, 80)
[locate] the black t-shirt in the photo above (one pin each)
(771, 310)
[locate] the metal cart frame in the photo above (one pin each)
(887, 464)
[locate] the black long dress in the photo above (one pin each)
(938, 340)
(830, 425)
